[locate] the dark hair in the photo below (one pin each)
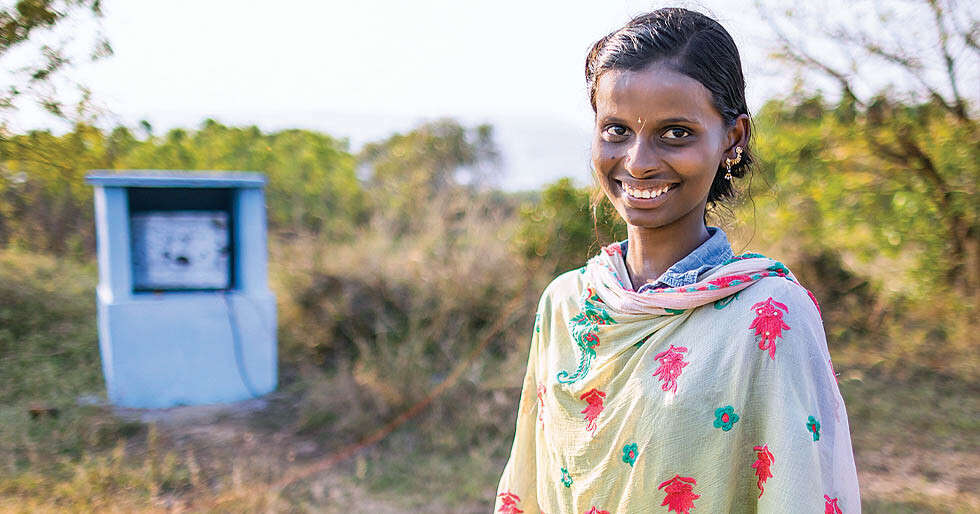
(692, 44)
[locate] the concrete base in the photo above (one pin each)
(166, 350)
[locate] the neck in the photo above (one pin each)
(653, 250)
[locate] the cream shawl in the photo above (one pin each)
(716, 397)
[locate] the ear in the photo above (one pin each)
(738, 135)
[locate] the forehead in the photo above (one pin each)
(653, 93)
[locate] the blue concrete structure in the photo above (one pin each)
(185, 313)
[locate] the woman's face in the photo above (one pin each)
(657, 145)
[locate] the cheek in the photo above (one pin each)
(602, 164)
(697, 164)
(604, 158)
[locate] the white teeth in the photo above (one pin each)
(644, 193)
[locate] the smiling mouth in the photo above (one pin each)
(645, 193)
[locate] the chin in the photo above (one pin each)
(656, 219)
(645, 220)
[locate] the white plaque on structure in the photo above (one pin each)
(181, 250)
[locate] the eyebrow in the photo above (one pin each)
(679, 119)
(675, 119)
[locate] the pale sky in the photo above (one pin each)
(401, 58)
(362, 69)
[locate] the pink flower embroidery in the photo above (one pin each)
(680, 494)
(594, 398)
(671, 364)
(727, 281)
(769, 324)
(594, 510)
(508, 503)
(762, 465)
(830, 506)
(591, 340)
(613, 249)
(542, 389)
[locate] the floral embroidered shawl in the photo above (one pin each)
(715, 397)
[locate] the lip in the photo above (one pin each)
(646, 203)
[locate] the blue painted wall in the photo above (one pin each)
(169, 348)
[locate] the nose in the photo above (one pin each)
(641, 159)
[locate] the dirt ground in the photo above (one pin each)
(239, 456)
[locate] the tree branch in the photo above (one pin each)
(910, 156)
(912, 66)
(959, 105)
(800, 56)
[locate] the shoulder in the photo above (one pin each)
(560, 296)
(789, 292)
(784, 286)
(787, 309)
(566, 286)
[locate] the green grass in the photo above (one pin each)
(915, 435)
(928, 412)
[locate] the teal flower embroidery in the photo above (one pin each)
(725, 418)
(629, 454)
(722, 303)
(813, 426)
(584, 328)
(779, 267)
(744, 256)
(566, 479)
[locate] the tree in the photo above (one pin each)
(566, 227)
(431, 165)
(45, 204)
(917, 129)
(44, 201)
(41, 191)
(36, 49)
(312, 182)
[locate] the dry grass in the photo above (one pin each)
(369, 328)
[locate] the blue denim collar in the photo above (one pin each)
(711, 253)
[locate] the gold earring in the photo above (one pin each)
(731, 162)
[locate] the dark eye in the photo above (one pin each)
(676, 133)
(617, 131)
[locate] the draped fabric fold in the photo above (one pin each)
(717, 396)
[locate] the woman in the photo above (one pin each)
(667, 374)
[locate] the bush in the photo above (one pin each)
(559, 232)
(401, 314)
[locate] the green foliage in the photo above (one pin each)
(48, 359)
(381, 303)
(426, 165)
(29, 16)
(48, 341)
(872, 209)
(560, 230)
(897, 169)
(22, 22)
(429, 156)
(312, 181)
(45, 204)
(44, 201)
(371, 325)
(837, 183)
